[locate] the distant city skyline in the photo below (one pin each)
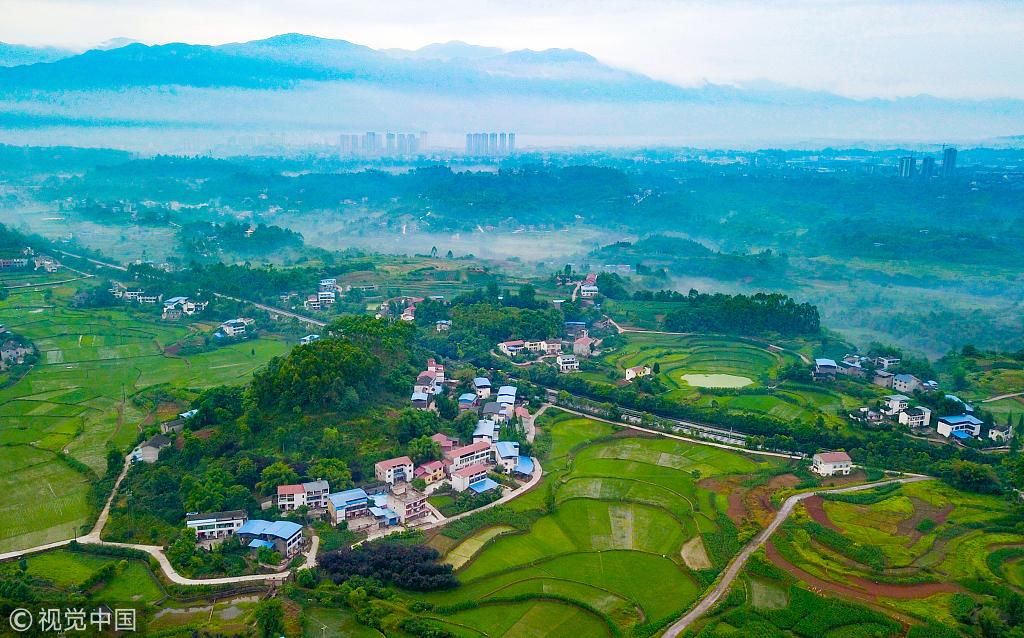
(857, 48)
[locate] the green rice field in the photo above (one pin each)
(604, 557)
(79, 396)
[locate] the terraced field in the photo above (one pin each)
(909, 552)
(79, 397)
(605, 555)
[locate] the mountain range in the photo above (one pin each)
(315, 87)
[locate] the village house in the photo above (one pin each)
(422, 400)
(896, 403)
(961, 426)
(328, 285)
(284, 537)
(583, 346)
(430, 472)
(472, 454)
(567, 363)
(149, 450)
(312, 302)
(216, 524)
(507, 394)
(236, 327)
(396, 470)
(326, 298)
(346, 505)
(637, 372)
(486, 430)
(589, 291)
(14, 352)
(467, 401)
(10, 263)
(575, 329)
(312, 495)
(443, 325)
(410, 504)
(482, 385)
(427, 383)
(919, 417)
(512, 348)
(506, 455)
(831, 463)
(473, 477)
(1000, 433)
(446, 442)
(825, 369)
(885, 363)
(883, 378)
(906, 383)
(308, 339)
(850, 369)
(867, 415)
(494, 411)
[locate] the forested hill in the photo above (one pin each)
(755, 314)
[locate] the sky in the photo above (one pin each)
(858, 48)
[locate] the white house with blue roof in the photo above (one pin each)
(467, 401)
(482, 385)
(506, 453)
(961, 426)
(486, 430)
(284, 537)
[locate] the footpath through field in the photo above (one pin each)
(740, 560)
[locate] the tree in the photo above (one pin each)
(424, 449)
(656, 368)
(413, 423)
(275, 474)
(334, 471)
(270, 618)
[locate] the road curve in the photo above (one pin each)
(279, 311)
(737, 563)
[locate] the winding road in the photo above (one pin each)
(737, 563)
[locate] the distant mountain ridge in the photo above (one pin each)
(317, 87)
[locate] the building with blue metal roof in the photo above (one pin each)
(966, 423)
(284, 536)
(348, 504)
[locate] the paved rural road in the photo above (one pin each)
(740, 560)
(280, 311)
(1002, 396)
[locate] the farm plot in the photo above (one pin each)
(78, 397)
(608, 544)
(909, 551)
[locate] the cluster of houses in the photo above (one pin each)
(13, 351)
(578, 341)
(133, 295)
(284, 537)
(177, 307)
(39, 262)
(898, 408)
(326, 295)
(878, 370)
(587, 286)
(429, 384)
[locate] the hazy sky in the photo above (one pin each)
(863, 48)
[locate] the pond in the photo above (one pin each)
(716, 380)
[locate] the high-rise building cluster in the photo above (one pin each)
(490, 144)
(907, 166)
(380, 144)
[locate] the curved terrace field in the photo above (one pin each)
(909, 550)
(606, 549)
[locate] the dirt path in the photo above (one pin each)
(737, 563)
(1002, 396)
(816, 509)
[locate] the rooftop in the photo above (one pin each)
(482, 382)
(215, 515)
(393, 463)
(961, 419)
(277, 529)
(825, 363)
(472, 448)
(290, 489)
(341, 499)
(507, 449)
(470, 470)
(524, 466)
(833, 457)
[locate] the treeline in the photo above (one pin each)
(203, 237)
(759, 313)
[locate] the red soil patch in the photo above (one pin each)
(737, 510)
(866, 590)
(816, 509)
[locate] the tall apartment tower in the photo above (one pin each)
(907, 166)
(511, 143)
(927, 167)
(502, 143)
(949, 162)
(492, 143)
